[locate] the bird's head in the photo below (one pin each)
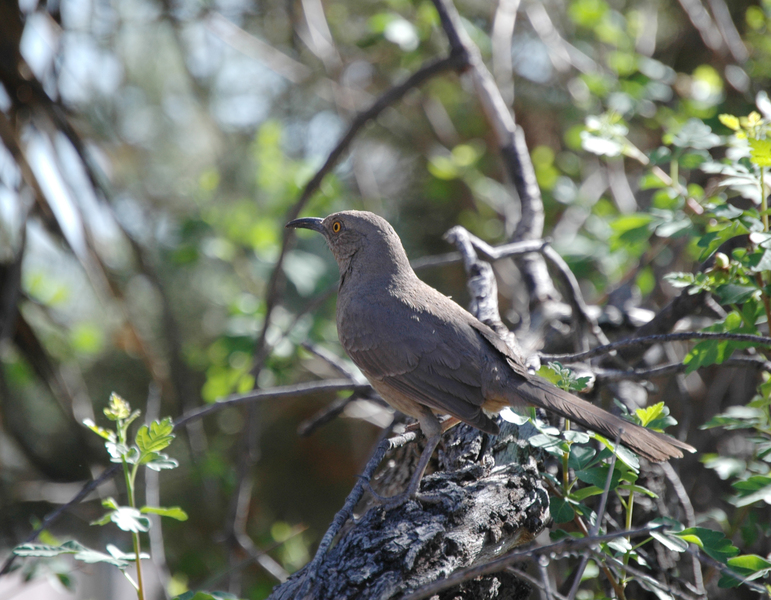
(358, 237)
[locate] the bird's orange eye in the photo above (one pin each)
(336, 227)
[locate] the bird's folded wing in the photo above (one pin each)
(427, 369)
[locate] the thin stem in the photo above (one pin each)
(130, 479)
(134, 534)
(763, 199)
(629, 511)
(565, 456)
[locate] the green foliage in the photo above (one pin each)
(148, 442)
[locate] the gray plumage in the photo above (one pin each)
(426, 355)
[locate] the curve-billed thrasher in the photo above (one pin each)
(425, 355)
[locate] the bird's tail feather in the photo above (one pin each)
(654, 446)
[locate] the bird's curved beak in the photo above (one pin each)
(313, 223)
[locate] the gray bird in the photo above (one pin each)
(427, 356)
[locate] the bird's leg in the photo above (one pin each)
(433, 429)
(412, 489)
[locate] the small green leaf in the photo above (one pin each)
(753, 489)
(695, 134)
(730, 121)
(581, 457)
(599, 475)
(660, 155)
(100, 431)
(130, 519)
(116, 552)
(41, 550)
(638, 489)
(748, 566)
(713, 543)
(175, 512)
(713, 240)
(586, 492)
(156, 437)
(159, 461)
(760, 152)
(732, 293)
(560, 510)
(648, 414)
(680, 280)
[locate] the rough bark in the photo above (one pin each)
(485, 499)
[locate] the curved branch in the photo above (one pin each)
(655, 339)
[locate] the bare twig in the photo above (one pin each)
(673, 369)
(511, 145)
(54, 516)
(656, 339)
(288, 391)
(703, 23)
(503, 30)
(597, 522)
(690, 517)
(727, 28)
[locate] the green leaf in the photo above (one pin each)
(598, 476)
(713, 543)
(748, 566)
(156, 437)
(760, 261)
(648, 414)
(92, 556)
(175, 512)
(659, 156)
(760, 152)
(732, 293)
(727, 211)
(730, 121)
(692, 160)
(586, 492)
(638, 489)
(695, 134)
(130, 519)
(560, 510)
(116, 552)
(581, 457)
(624, 455)
(577, 437)
(671, 542)
(158, 461)
(41, 550)
(754, 489)
(713, 240)
(79, 551)
(737, 417)
(680, 280)
(100, 431)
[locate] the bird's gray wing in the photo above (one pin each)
(427, 359)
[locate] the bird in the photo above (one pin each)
(427, 356)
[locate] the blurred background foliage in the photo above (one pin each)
(152, 149)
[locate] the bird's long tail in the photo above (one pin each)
(654, 446)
